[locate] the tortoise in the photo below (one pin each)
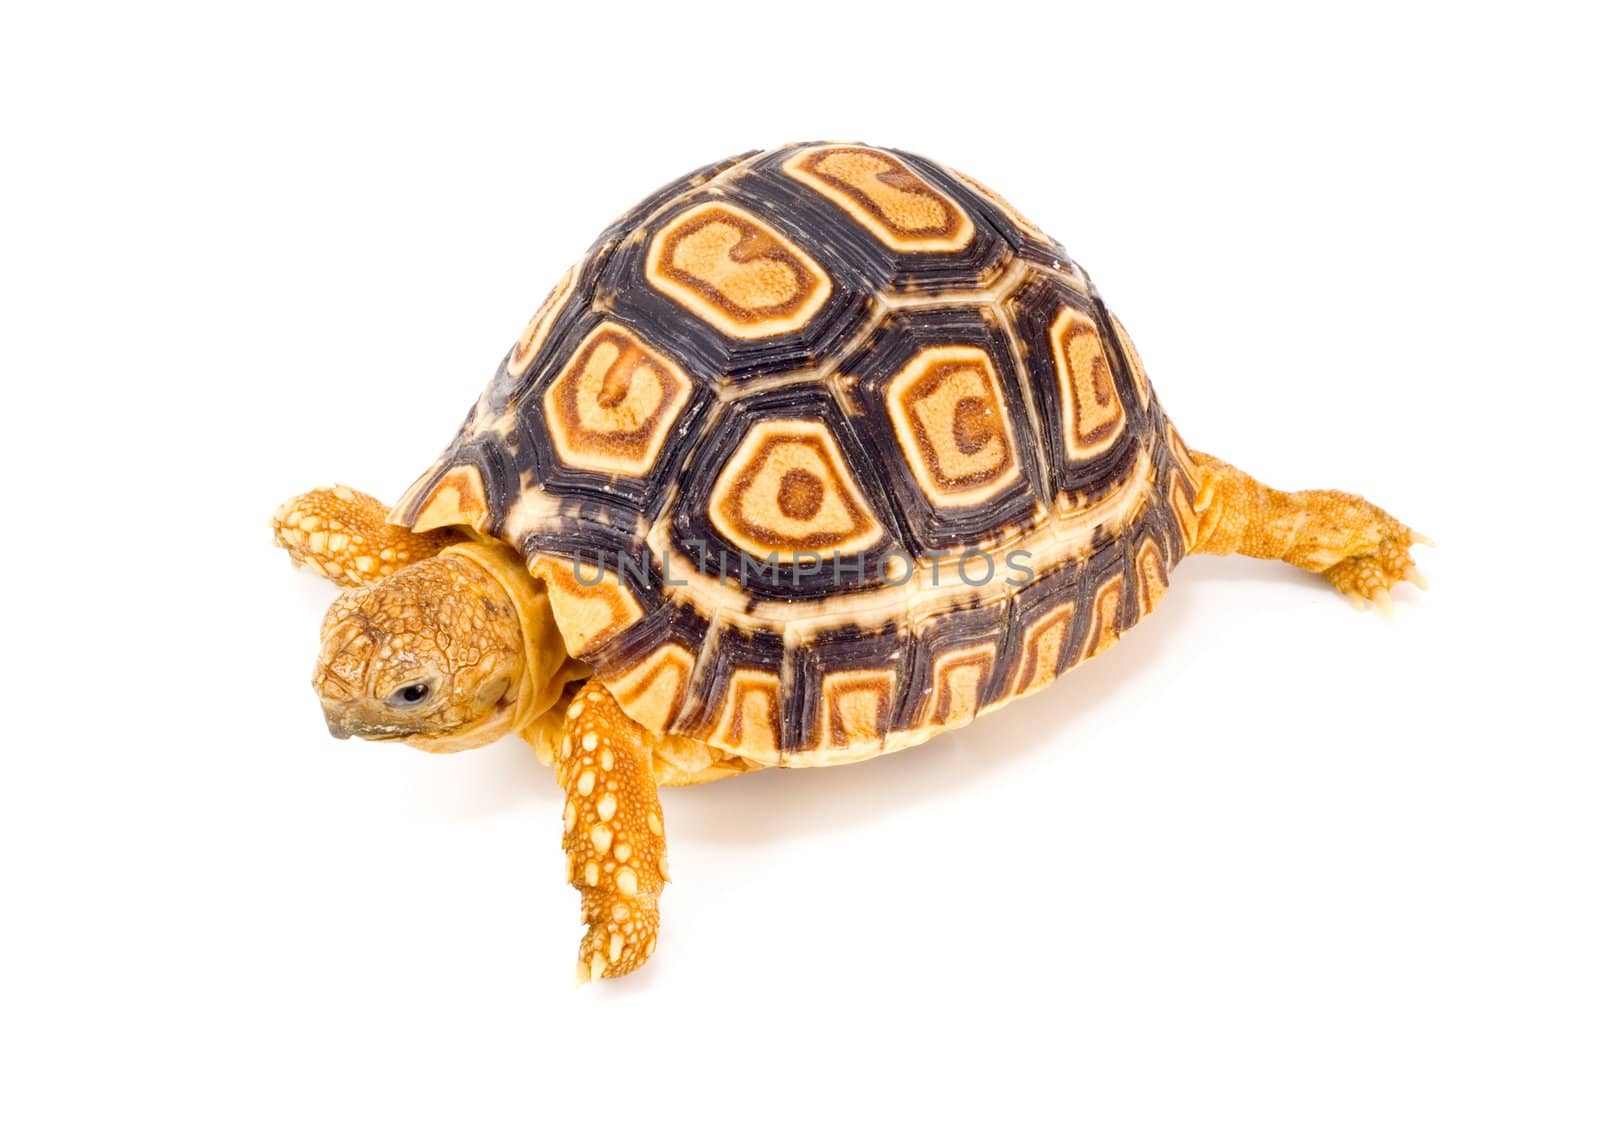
(818, 452)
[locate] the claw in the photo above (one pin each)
(1415, 577)
(1418, 538)
(1384, 601)
(1357, 601)
(583, 972)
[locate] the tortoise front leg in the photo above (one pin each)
(346, 536)
(616, 848)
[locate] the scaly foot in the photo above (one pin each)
(346, 536)
(1365, 578)
(615, 843)
(1361, 549)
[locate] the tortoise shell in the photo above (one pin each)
(820, 451)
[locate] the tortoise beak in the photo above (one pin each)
(345, 720)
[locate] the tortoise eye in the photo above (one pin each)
(409, 696)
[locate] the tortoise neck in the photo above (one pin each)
(545, 665)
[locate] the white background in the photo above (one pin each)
(1267, 862)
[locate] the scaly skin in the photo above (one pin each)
(345, 536)
(468, 621)
(615, 840)
(1356, 546)
(441, 623)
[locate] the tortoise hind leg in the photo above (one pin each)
(616, 847)
(1359, 548)
(346, 536)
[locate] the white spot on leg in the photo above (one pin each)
(606, 807)
(627, 881)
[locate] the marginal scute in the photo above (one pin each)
(751, 711)
(882, 193)
(1044, 645)
(1152, 575)
(857, 705)
(1181, 456)
(736, 272)
(1183, 509)
(614, 403)
(788, 489)
(457, 499)
(653, 691)
(1105, 625)
(590, 605)
(959, 678)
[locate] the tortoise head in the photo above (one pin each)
(433, 655)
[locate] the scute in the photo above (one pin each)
(785, 473)
(955, 666)
(1081, 388)
(875, 234)
(733, 287)
(937, 394)
(885, 195)
(740, 275)
(825, 348)
(614, 404)
(788, 489)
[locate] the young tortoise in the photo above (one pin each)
(817, 453)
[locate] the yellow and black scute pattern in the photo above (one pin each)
(823, 450)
